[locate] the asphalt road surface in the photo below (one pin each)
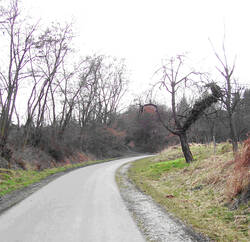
(83, 205)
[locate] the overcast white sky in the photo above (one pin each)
(145, 31)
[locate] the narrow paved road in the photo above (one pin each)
(84, 205)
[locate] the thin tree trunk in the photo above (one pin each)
(233, 135)
(214, 144)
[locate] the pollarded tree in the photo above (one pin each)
(174, 79)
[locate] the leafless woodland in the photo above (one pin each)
(58, 104)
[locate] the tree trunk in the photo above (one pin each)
(185, 147)
(233, 135)
(214, 143)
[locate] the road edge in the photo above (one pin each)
(11, 199)
(124, 184)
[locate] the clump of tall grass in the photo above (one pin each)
(239, 180)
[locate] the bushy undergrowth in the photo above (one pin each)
(47, 147)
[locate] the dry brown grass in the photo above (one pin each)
(239, 179)
(197, 193)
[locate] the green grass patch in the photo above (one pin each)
(156, 170)
(194, 192)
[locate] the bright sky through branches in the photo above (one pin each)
(145, 31)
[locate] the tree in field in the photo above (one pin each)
(231, 92)
(174, 79)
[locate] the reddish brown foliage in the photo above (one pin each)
(243, 160)
(149, 108)
(240, 179)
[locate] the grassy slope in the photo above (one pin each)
(195, 193)
(11, 180)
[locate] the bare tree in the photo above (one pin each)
(20, 38)
(112, 86)
(69, 89)
(104, 83)
(231, 91)
(173, 80)
(46, 65)
(87, 99)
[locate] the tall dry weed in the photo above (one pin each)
(240, 178)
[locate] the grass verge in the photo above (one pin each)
(195, 193)
(11, 180)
